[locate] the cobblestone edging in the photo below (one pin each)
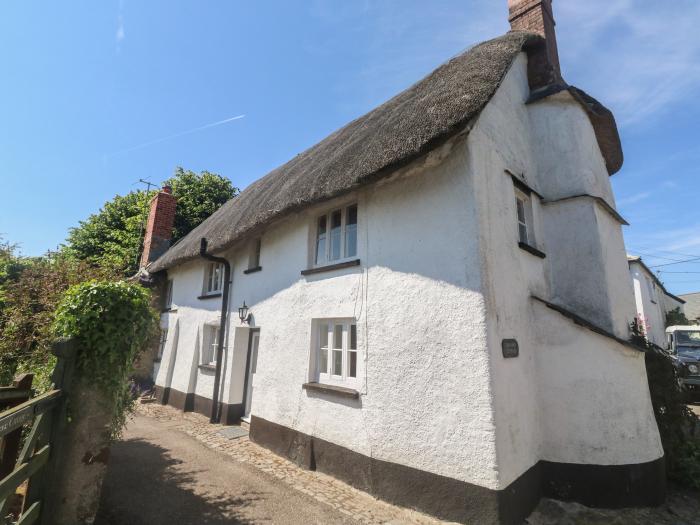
(325, 489)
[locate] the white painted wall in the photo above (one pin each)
(594, 403)
(441, 283)
(545, 406)
(651, 310)
(426, 396)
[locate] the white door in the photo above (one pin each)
(252, 364)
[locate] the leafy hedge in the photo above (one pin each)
(111, 322)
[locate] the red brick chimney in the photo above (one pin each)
(159, 228)
(536, 16)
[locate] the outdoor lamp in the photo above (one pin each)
(243, 313)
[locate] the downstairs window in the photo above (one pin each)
(336, 356)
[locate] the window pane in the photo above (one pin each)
(522, 233)
(218, 276)
(336, 220)
(323, 361)
(323, 336)
(352, 364)
(353, 337)
(254, 261)
(351, 232)
(338, 336)
(169, 294)
(321, 240)
(521, 209)
(337, 362)
(214, 343)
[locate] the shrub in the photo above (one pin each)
(111, 323)
(676, 422)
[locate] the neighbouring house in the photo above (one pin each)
(692, 306)
(653, 301)
(431, 304)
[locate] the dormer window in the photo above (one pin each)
(213, 278)
(336, 236)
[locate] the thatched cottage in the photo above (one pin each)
(432, 303)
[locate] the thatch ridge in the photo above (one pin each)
(397, 132)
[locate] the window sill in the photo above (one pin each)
(531, 249)
(331, 267)
(340, 391)
(209, 368)
(209, 295)
(252, 270)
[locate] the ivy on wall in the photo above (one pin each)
(112, 323)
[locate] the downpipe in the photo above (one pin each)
(216, 405)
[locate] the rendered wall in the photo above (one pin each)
(425, 390)
(558, 400)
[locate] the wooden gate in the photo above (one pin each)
(40, 420)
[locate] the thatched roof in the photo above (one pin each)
(373, 146)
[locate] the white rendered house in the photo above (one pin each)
(438, 298)
(652, 300)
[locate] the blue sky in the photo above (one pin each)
(90, 88)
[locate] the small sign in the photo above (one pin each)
(510, 348)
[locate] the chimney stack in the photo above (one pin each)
(536, 16)
(159, 228)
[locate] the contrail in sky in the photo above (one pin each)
(176, 135)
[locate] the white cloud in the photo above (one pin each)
(639, 57)
(625, 201)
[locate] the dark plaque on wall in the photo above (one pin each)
(510, 348)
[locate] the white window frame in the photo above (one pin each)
(213, 278)
(526, 222)
(327, 375)
(344, 256)
(210, 338)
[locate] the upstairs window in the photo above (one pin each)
(336, 236)
(254, 256)
(524, 221)
(336, 351)
(213, 278)
(169, 294)
(651, 286)
(210, 342)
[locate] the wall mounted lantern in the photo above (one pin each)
(243, 313)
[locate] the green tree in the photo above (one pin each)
(198, 196)
(676, 317)
(112, 237)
